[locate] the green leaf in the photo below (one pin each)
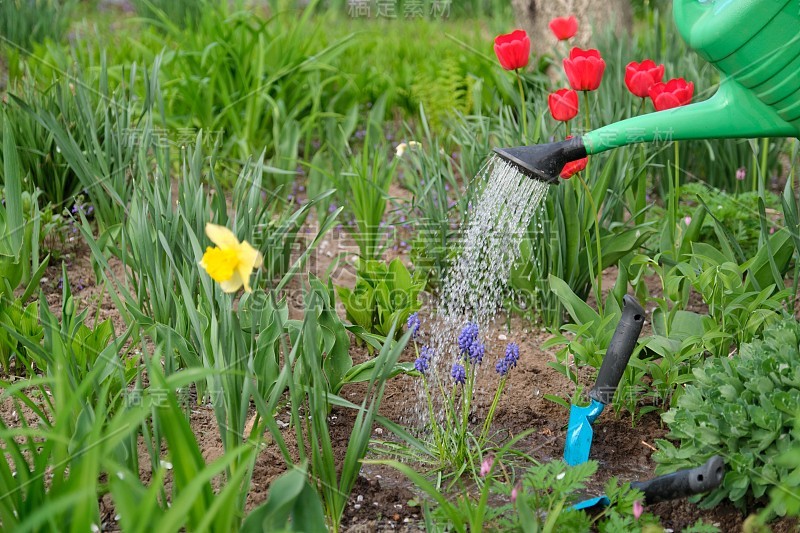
(293, 505)
(580, 312)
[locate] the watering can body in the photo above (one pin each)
(755, 44)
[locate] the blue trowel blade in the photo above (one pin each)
(580, 432)
(586, 504)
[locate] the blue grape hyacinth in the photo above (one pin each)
(413, 324)
(423, 362)
(512, 354)
(509, 361)
(469, 344)
(468, 335)
(459, 373)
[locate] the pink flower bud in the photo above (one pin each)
(486, 466)
(638, 509)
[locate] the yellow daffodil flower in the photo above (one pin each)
(230, 263)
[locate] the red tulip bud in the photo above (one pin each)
(584, 69)
(563, 104)
(513, 49)
(675, 93)
(564, 27)
(639, 77)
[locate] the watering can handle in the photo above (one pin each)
(686, 12)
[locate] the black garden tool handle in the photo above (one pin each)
(683, 483)
(619, 350)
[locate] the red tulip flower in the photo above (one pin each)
(564, 27)
(513, 49)
(674, 93)
(563, 104)
(639, 77)
(584, 69)
(573, 167)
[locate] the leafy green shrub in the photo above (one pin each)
(743, 408)
(540, 499)
(24, 321)
(737, 212)
(784, 497)
(384, 293)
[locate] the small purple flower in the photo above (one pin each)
(423, 362)
(741, 173)
(509, 361)
(476, 352)
(413, 325)
(459, 373)
(469, 334)
(512, 354)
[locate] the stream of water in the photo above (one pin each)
(476, 283)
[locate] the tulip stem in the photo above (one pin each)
(599, 284)
(676, 193)
(523, 109)
(641, 107)
(588, 111)
(764, 152)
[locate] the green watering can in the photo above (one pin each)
(755, 44)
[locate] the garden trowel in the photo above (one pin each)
(579, 429)
(680, 484)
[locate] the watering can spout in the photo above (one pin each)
(544, 161)
(733, 112)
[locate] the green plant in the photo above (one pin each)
(368, 178)
(79, 422)
(99, 132)
(334, 341)
(264, 82)
(742, 408)
(20, 227)
(540, 499)
(305, 376)
(293, 505)
(739, 213)
(23, 320)
(784, 498)
(383, 294)
(431, 175)
(181, 13)
(23, 22)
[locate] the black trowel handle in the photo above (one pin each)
(619, 350)
(683, 483)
